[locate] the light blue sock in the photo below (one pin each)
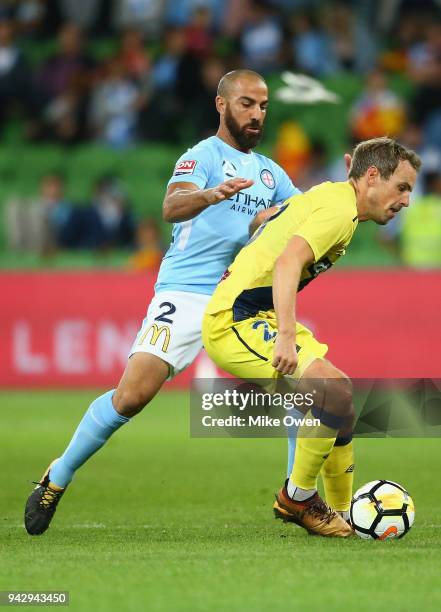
(292, 440)
(98, 424)
(291, 454)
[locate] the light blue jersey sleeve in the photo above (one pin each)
(194, 166)
(285, 188)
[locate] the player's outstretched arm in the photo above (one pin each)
(183, 201)
(286, 278)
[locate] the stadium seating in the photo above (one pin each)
(146, 168)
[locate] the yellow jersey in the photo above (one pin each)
(325, 216)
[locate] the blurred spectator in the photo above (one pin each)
(407, 33)
(312, 47)
(421, 233)
(57, 72)
(180, 13)
(199, 36)
(92, 16)
(115, 105)
(378, 111)
(188, 82)
(425, 71)
(15, 77)
(261, 39)
(292, 149)
(51, 19)
(41, 224)
(205, 116)
(149, 251)
(389, 13)
(148, 15)
(159, 119)
(217, 11)
(134, 56)
(177, 86)
(108, 221)
(315, 171)
(355, 47)
(235, 16)
(63, 85)
(29, 15)
(84, 13)
(412, 137)
(137, 65)
(165, 68)
(297, 5)
(65, 118)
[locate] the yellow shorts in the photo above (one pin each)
(245, 348)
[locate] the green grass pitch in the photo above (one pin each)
(160, 521)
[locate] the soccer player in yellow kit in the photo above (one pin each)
(304, 238)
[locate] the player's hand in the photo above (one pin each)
(285, 355)
(227, 189)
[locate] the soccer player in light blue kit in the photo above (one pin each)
(218, 187)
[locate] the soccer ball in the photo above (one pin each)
(382, 510)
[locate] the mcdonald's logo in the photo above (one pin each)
(156, 334)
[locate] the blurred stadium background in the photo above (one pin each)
(99, 98)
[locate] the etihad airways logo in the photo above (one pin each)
(246, 203)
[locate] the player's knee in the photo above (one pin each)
(348, 423)
(129, 401)
(339, 397)
(351, 414)
(142, 379)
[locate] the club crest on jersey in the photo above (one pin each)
(229, 169)
(185, 167)
(267, 178)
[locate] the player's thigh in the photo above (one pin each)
(172, 329)
(143, 377)
(323, 368)
(309, 350)
(245, 348)
(238, 347)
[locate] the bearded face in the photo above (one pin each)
(248, 134)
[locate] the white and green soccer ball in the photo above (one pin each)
(382, 510)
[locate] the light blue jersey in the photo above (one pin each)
(203, 247)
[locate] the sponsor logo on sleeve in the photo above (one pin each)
(185, 167)
(267, 178)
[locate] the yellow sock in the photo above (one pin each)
(338, 475)
(311, 452)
